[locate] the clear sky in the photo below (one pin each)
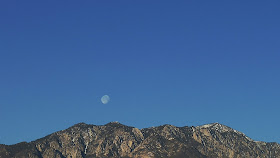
(161, 62)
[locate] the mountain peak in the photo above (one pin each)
(114, 123)
(117, 140)
(80, 124)
(222, 128)
(217, 126)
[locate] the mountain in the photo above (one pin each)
(117, 140)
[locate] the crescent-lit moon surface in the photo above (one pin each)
(105, 99)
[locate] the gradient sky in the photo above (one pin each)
(161, 62)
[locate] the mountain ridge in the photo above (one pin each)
(118, 140)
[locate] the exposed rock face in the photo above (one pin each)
(117, 140)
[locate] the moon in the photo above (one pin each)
(105, 99)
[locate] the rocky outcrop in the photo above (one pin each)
(117, 140)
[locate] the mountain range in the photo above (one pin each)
(117, 140)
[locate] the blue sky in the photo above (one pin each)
(183, 63)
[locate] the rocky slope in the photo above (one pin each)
(117, 140)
